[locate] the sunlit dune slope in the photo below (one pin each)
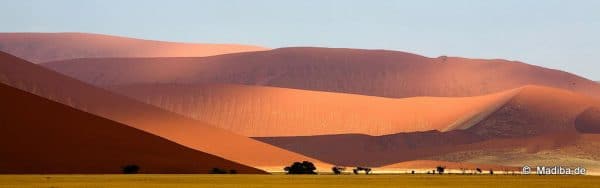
(185, 131)
(43, 47)
(366, 72)
(42, 136)
(268, 111)
(534, 119)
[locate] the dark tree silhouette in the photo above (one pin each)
(440, 169)
(232, 171)
(358, 169)
(338, 170)
(130, 169)
(491, 172)
(479, 170)
(218, 171)
(304, 167)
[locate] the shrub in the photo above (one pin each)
(440, 169)
(218, 171)
(304, 167)
(130, 169)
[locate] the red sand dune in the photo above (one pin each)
(43, 47)
(267, 111)
(539, 110)
(367, 72)
(43, 136)
(536, 119)
(185, 131)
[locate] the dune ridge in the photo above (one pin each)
(259, 111)
(535, 120)
(42, 136)
(382, 73)
(43, 47)
(185, 131)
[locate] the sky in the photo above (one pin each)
(555, 34)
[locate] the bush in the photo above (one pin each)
(130, 169)
(218, 171)
(338, 170)
(440, 169)
(304, 167)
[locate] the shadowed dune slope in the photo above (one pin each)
(366, 72)
(536, 119)
(185, 131)
(43, 47)
(538, 110)
(258, 111)
(42, 136)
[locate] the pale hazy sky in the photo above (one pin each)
(556, 34)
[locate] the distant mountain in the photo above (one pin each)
(185, 131)
(43, 47)
(366, 72)
(41, 136)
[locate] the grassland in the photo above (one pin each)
(255, 181)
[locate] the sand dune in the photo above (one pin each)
(538, 110)
(535, 119)
(42, 136)
(185, 131)
(367, 72)
(43, 47)
(267, 111)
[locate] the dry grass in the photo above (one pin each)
(346, 181)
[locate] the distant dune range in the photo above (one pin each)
(185, 131)
(43, 136)
(367, 72)
(352, 107)
(536, 119)
(43, 47)
(268, 111)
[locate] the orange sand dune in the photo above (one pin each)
(185, 131)
(534, 119)
(539, 110)
(367, 72)
(43, 47)
(43, 136)
(267, 111)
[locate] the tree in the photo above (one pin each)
(358, 169)
(338, 170)
(130, 169)
(304, 167)
(218, 171)
(440, 169)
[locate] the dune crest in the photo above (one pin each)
(366, 72)
(42, 136)
(534, 120)
(268, 111)
(44, 47)
(185, 131)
